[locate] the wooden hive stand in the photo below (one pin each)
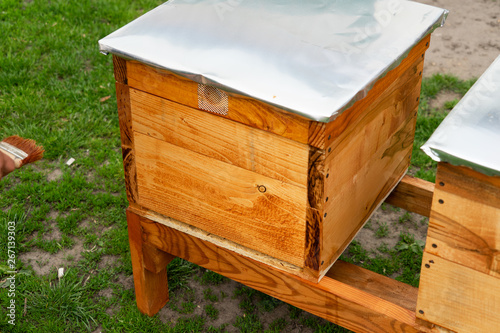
(459, 290)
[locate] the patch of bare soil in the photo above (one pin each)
(443, 97)
(468, 42)
(43, 262)
(126, 281)
(395, 222)
(54, 175)
(108, 261)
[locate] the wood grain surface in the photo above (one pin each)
(457, 297)
(243, 206)
(151, 286)
(464, 226)
(350, 302)
(363, 167)
(241, 109)
(127, 138)
(413, 194)
(228, 141)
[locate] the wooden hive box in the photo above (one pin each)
(256, 178)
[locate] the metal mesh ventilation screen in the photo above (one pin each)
(212, 99)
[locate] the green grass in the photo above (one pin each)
(52, 84)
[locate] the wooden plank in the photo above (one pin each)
(127, 138)
(120, 69)
(151, 287)
(457, 297)
(375, 284)
(317, 134)
(368, 151)
(465, 220)
(413, 194)
(241, 109)
(363, 168)
(314, 217)
(155, 260)
(228, 141)
(340, 129)
(347, 305)
(223, 242)
(259, 212)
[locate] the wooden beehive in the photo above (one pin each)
(269, 184)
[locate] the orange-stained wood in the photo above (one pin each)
(120, 69)
(413, 194)
(151, 289)
(464, 226)
(241, 109)
(352, 301)
(228, 141)
(362, 168)
(155, 260)
(243, 206)
(457, 297)
(127, 137)
(314, 217)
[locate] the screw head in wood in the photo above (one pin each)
(441, 184)
(427, 266)
(441, 201)
(421, 311)
(434, 245)
(261, 188)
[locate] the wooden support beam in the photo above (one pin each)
(363, 302)
(413, 194)
(151, 288)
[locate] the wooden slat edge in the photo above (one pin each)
(127, 138)
(413, 194)
(222, 242)
(336, 301)
(314, 215)
(120, 69)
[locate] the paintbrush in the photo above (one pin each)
(22, 151)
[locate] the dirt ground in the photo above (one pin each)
(468, 42)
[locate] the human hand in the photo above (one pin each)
(7, 165)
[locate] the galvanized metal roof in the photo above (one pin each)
(470, 134)
(314, 58)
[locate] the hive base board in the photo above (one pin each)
(348, 295)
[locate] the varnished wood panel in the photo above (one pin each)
(241, 109)
(345, 302)
(120, 69)
(317, 134)
(465, 219)
(362, 168)
(315, 199)
(151, 286)
(250, 209)
(227, 141)
(413, 194)
(391, 290)
(127, 138)
(458, 298)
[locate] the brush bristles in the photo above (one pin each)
(29, 146)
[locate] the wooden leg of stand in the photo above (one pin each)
(150, 270)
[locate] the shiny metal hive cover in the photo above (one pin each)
(470, 134)
(314, 58)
